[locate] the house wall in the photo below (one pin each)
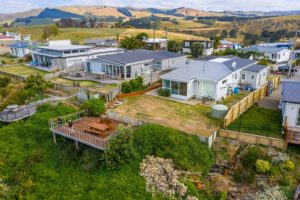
(19, 52)
(174, 63)
(291, 111)
(282, 56)
(253, 78)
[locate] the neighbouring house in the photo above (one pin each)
(61, 54)
(7, 40)
(214, 79)
(225, 44)
(290, 105)
(207, 44)
(287, 45)
(254, 76)
(102, 42)
(296, 54)
(275, 54)
(157, 43)
(130, 64)
(21, 48)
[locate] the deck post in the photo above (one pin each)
(76, 143)
(54, 137)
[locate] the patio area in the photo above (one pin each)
(92, 131)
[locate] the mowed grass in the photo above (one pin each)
(70, 82)
(23, 70)
(186, 118)
(259, 121)
(233, 99)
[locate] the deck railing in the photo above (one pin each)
(292, 135)
(53, 123)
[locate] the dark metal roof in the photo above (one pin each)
(139, 56)
(238, 63)
(255, 68)
(291, 91)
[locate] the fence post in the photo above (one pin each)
(240, 125)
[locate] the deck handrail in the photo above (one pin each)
(65, 118)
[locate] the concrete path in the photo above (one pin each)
(272, 102)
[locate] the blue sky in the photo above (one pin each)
(12, 6)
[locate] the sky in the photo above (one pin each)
(12, 6)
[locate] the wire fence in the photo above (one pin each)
(267, 130)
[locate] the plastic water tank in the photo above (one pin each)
(219, 111)
(236, 90)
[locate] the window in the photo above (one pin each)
(82, 50)
(252, 77)
(274, 56)
(166, 84)
(243, 76)
(187, 44)
(75, 51)
(278, 56)
(128, 71)
(183, 89)
(175, 86)
(298, 118)
(67, 52)
(234, 76)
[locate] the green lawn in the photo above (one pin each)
(23, 70)
(259, 121)
(70, 82)
(233, 99)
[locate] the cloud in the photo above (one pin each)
(12, 6)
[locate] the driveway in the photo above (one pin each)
(272, 102)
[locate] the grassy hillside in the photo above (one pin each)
(79, 34)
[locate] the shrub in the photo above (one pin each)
(185, 150)
(251, 155)
(36, 82)
(164, 92)
(262, 166)
(133, 85)
(120, 149)
(95, 106)
(4, 81)
(289, 165)
(270, 194)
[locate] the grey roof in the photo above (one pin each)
(23, 44)
(238, 63)
(264, 49)
(139, 56)
(255, 68)
(291, 91)
(213, 71)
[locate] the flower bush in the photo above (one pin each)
(262, 166)
(269, 194)
(289, 165)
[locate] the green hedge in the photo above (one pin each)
(133, 85)
(164, 92)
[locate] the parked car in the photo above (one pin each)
(286, 69)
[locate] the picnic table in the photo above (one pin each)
(99, 127)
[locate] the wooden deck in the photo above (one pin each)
(94, 132)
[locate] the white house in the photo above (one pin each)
(130, 64)
(275, 54)
(290, 104)
(21, 48)
(159, 43)
(254, 76)
(207, 44)
(102, 42)
(214, 79)
(61, 54)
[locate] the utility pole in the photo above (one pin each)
(292, 53)
(154, 46)
(166, 29)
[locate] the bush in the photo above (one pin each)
(185, 150)
(36, 82)
(95, 106)
(4, 81)
(133, 85)
(120, 149)
(289, 165)
(251, 155)
(262, 166)
(164, 92)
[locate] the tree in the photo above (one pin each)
(120, 149)
(49, 31)
(95, 106)
(224, 34)
(142, 36)
(216, 42)
(297, 62)
(130, 43)
(264, 62)
(174, 46)
(36, 82)
(197, 49)
(233, 33)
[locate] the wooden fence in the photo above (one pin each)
(125, 95)
(253, 139)
(12, 75)
(246, 103)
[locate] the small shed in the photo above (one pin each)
(255, 75)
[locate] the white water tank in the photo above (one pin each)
(219, 111)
